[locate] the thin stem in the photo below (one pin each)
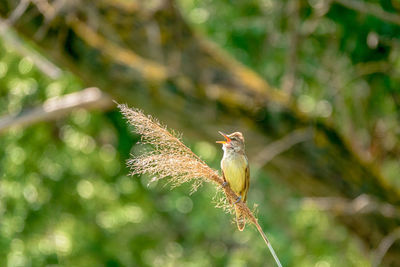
(271, 249)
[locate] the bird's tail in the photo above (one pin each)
(240, 220)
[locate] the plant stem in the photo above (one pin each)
(271, 249)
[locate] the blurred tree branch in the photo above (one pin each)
(197, 83)
(42, 63)
(89, 98)
(371, 9)
(362, 204)
(18, 11)
(280, 146)
(293, 16)
(384, 246)
(149, 69)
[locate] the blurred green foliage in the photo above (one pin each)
(66, 198)
(346, 63)
(65, 195)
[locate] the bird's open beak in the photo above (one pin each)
(226, 137)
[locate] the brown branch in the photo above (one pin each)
(370, 9)
(123, 6)
(90, 98)
(151, 70)
(45, 8)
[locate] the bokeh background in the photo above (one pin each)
(314, 85)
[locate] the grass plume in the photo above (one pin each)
(172, 160)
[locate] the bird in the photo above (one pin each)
(235, 170)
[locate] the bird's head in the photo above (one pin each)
(234, 142)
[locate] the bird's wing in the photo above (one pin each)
(246, 183)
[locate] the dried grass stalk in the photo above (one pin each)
(170, 159)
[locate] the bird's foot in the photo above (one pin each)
(238, 199)
(224, 184)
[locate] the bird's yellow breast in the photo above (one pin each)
(234, 168)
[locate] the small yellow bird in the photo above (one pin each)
(235, 170)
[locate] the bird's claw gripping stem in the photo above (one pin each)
(224, 184)
(238, 199)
